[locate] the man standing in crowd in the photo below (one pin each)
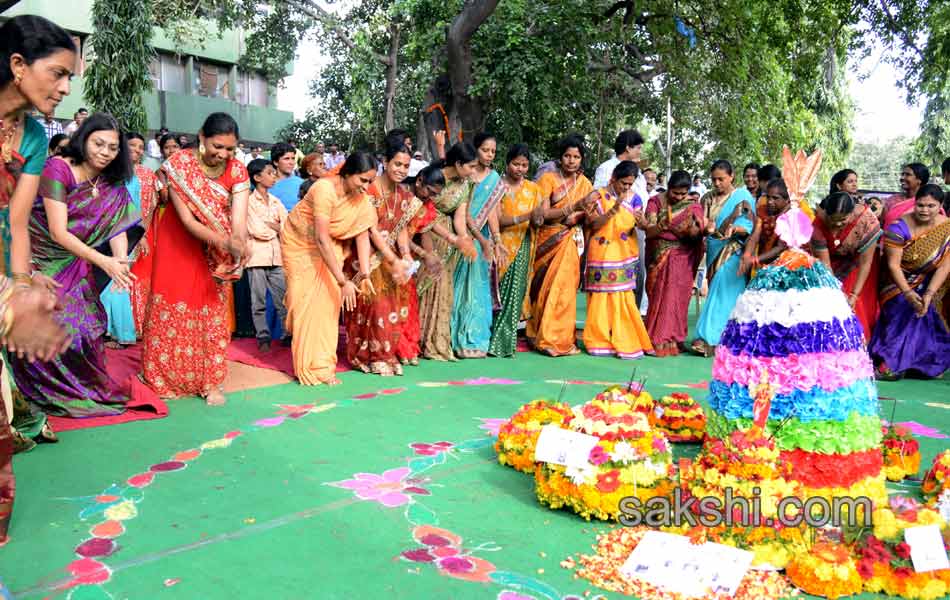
(153, 150)
(78, 118)
(334, 157)
(284, 158)
(51, 125)
(650, 176)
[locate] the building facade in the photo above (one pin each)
(189, 83)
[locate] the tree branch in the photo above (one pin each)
(318, 13)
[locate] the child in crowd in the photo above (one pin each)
(265, 218)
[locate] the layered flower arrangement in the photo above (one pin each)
(936, 485)
(631, 459)
(638, 398)
(518, 437)
(883, 557)
(826, 570)
(901, 453)
(680, 417)
(744, 461)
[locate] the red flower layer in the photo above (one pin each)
(817, 470)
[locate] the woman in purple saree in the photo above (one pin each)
(82, 204)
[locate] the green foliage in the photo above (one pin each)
(933, 144)
(315, 127)
(543, 68)
(118, 76)
(879, 164)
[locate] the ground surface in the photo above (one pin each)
(237, 504)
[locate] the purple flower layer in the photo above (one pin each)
(773, 339)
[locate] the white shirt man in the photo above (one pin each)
(628, 146)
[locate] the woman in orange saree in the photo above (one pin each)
(199, 246)
(557, 265)
(675, 227)
(316, 241)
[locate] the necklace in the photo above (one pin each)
(390, 210)
(94, 183)
(7, 133)
(212, 172)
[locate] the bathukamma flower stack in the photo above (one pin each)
(792, 329)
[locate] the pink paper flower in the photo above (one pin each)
(390, 489)
(492, 425)
(598, 456)
(431, 449)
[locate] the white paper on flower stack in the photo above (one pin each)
(563, 447)
(926, 548)
(671, 562)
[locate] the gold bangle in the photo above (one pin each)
(7, 320)
(22, 279)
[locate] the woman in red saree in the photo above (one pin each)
(199, 246)
(374, 329)
(675, 229)
(557, 266)
(845, 239)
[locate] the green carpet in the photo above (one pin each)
(251, 516)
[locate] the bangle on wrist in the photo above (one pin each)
(7, 324)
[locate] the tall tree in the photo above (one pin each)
(118, 77)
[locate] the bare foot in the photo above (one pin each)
(215, 398)
(334, 381)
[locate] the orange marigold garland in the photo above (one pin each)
(827, 570)
(681, 418)
(901, 453)
(518, 437)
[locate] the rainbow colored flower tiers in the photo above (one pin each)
(792, 330)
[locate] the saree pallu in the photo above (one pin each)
(186, 331)
(860, 233)
(903, 341)
(142, 253)
(553, 288)
(613, 326)
(896, 207)
(722, 266)
(436, 295)
(76, 384)
(473, 295)
(519, 241)
(374, 328)
(314, 297)
(408, 350)
(672, 271)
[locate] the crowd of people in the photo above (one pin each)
(405, 259)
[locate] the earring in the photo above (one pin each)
(17, 79)
(201, 150)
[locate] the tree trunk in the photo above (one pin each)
(448, 103)
(389, 121)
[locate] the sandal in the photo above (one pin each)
(883, 373)
(21, 443)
